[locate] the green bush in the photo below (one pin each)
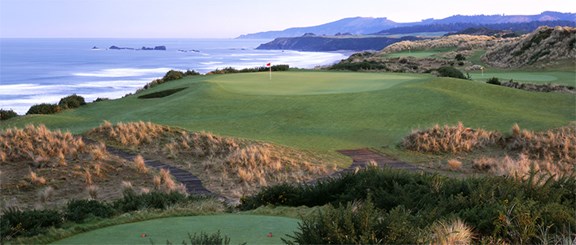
(422, 199)
(494, 80)
(358, 66)
(191, 73)
(72, 101)
(449, 71)
(15, 222)
(173, 75)
(79, 210)
(460, 57)
(152, 200)
(44, 108)
(101, 99)
(355, 223)
(7, 114)
(204, 238)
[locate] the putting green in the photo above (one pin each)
(308, 83)
(252, 229)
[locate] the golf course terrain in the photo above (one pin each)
(260, 156)
(324, 111)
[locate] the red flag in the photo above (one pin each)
(268, 65)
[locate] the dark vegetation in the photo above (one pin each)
(68, 102)
(171, 75)
(358, 66)
(71, 101)
(494, 80)
(532, 87)
(498, 208)
(44, 108)
(205, 239)
(229, 70)
(7, 114)
(161, 94)
(449, 71)
(18, 223)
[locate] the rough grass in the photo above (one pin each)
(449, 139)
(523, 151)
(42, 168)
(228, 166)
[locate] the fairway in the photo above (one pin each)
(308, 83)
(558, 77)
(250, 229)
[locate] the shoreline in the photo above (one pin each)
(114, 73)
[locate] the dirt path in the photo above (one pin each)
(192, 183)
(362, 157)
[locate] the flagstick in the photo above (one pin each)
(270, 72)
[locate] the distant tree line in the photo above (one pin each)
(229, 70)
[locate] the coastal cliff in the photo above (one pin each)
(310, 42)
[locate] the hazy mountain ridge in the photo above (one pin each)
(355, 25)
(364, 25)
(458, 28)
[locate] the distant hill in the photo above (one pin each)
(332, 43)
(543, 46)
(459, 28)
(363, 25)
(356, 25)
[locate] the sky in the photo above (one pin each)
(229, 18)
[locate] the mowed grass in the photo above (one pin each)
(544, 77)
(308, 83)
(324, 111)
(250, 229)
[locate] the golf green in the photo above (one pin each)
(308, 83)
(250, 229)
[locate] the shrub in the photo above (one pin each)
(450, 232)
(173, 75)
(494, 80)
(100, 99)
(191, 73)
(72, 101)
(358, 66)
(204, 238)
(7, 114)
(79, 210)
(15, 222)
(460, 57)
(449, 71)
(356, 223)
(506, 208)
(153, 200)
(44, 108)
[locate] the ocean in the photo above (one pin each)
(34, 71)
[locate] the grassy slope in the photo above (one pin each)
(326, 122)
